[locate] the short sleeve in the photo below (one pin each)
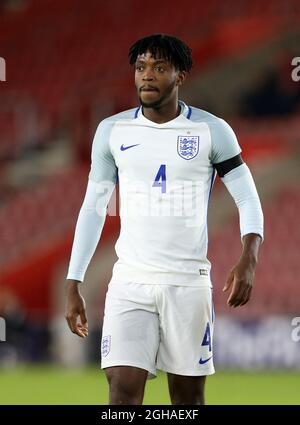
(224, 144)
(103, 167)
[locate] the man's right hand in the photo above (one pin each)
(75, 309)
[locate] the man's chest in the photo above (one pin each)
(142, 152)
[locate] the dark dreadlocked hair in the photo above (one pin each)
(166, 47)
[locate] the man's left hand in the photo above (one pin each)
(240, 281)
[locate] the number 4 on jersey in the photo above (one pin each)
(160, 179)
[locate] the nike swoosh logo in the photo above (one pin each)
(204, 361)
(123, 148)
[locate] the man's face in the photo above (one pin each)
(156, 80)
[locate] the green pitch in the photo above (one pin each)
(47, 385)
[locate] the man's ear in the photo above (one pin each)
(181, 77)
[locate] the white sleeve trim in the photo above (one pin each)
(89, 227)
(241, 187)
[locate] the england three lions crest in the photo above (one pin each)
(187, 146)
(105, 345)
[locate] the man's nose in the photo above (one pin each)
(148, 76)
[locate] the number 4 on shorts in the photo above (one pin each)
(207, 337)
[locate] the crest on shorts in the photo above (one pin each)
(187, 146)
(105, 345)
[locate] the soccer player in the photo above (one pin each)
(165, 154)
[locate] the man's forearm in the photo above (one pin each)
(241, 186)
(88, 230)
(251, 244)
(87, 235)
(72, 285)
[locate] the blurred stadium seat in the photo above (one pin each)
(76, 49)
(276, 278)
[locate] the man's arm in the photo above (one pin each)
(89, 226)
(226, 158)
(241, 186)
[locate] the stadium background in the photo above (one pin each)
(66, 69)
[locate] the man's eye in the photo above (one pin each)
(159, 69)
(139, 68)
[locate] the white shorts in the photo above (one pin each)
(162, 327)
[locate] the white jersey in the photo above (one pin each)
(165, 174)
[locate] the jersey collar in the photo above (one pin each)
(185, 111)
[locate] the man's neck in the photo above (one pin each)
(164, 113)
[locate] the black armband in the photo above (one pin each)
(225, 166)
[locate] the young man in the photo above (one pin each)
(158, 309)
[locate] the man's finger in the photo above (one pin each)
(233, 293)
(236, 293)
(81, 333)
(244, 298)
(73, 320)
(70, 323)
(82, 329)
(241, 296)
(247, 296)
(83, 319)
(229, 282)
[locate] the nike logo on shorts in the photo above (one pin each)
(123, 148)
(204, 361)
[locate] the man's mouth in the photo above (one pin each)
(148, 88)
